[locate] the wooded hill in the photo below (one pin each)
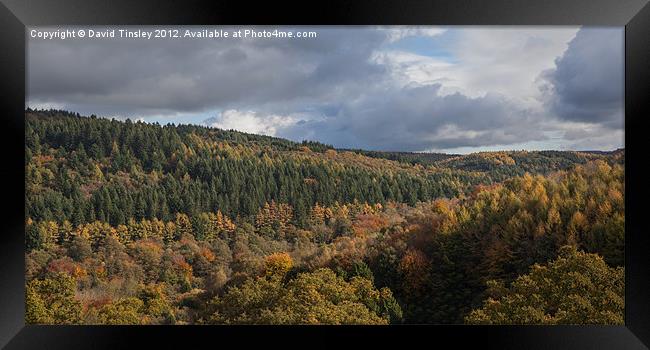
(85, 169)
(136, 223)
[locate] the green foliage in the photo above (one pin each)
(320, 297)
(154, 302)
(122, 311)
(576, 288)
(33, 239)
(52, 301)
(80, 248)
(361, 269)
(139, 170)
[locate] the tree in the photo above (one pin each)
(125, 311)
(52, 301)
(176, 216)
(576, 288)
(33, 239)
(183, 226)
(79, 248)
(155, 304)
(277, 264)
(319, 297)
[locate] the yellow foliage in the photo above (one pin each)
(277, 264)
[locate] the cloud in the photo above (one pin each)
(385, 88)
(396, 33)
(505, 60)
(166, 76)
(587, 83)
(251, 122)
(418, 118)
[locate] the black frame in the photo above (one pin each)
(633, 14)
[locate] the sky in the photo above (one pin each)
(438, 89)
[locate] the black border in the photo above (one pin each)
(633, 14)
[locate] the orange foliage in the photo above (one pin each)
(66, 265)
(182, 265)
(414, 266)
(207, 254)
(368, 223)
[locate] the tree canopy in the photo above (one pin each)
(135, 223)
(576, 288)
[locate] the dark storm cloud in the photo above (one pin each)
(139, 77)
(587, 83)
(420, 118)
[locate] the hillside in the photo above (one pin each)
(135, 223)
(81, 169)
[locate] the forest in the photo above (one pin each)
(137, 223)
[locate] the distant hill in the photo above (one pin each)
(503, 164)
(406, 157)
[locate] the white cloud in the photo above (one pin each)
(37, 104)
(396, 33)
(502, 60)
(252, 122)
(409, 68)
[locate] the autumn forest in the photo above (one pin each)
(139, 223)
